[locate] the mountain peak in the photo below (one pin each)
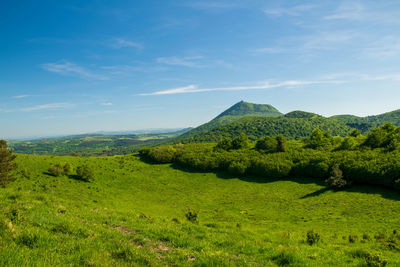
(245, 108)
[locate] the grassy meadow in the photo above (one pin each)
(135, 213)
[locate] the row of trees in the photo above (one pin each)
(339, 161)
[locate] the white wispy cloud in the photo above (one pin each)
(264, 86)
(385, 48)
(51, 106)
(181, 61)
(21, 96)
(106, 104)
(213, 5)
(119, 43)
(386, 12)
(316, 41)
(289, 11)
(68, 68)
(348, 11)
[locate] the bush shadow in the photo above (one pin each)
(385, 192)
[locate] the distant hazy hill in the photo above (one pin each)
(291, 127)
(366, 123)
(234, 113)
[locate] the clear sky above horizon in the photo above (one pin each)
(71, 67)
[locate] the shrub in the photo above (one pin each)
(267, 144)
(85, 173)
(281, 143)
(162, 154)
(353, 238)
(60, 169)
(375, 260)
(271, 167)
(56, 170)
(240, 142)
(144, 152)
(238, 167)
(7, 164)
(312, 238)
(336, 179)
(320, 140)
(191, 216)
(285, 258)
(30, 240)
(224, 144)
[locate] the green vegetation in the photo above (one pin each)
(137, 213)
(7, 164)
(365, 124)
(238, 111)
(257, 127)
(371, 159)
(93, 145)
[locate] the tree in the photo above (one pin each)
(336, 179)
(320, 139)
(267, 144)
(84, 173)
(240, 142)
(281, 146)
(7, 164)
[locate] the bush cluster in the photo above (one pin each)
(60, 169)
(338, 161)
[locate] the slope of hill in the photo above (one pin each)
(234, 113)
(133, 214)
(294, 126)
(366, 123)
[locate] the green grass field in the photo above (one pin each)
(133, 213)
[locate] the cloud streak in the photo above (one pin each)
(194, 89)
(192, 62)
(289, 11)
(71, 69)
(119, 43)
(51, 106)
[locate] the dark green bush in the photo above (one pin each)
(60, 169)
(267, 144)
(336, 179)
(238, 167)
(163, 154)
(191, 216)
(85, 173)
(312, 237)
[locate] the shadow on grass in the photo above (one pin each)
(385, 192)
(70, 176)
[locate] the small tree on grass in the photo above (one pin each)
(7, 164)
(336, 179)
(85, 173)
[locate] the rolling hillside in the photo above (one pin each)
(136, 214)
(290, 127)
(234, 113)
(366, 123)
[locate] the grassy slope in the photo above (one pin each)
(126, 216)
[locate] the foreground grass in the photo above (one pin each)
(134, 214)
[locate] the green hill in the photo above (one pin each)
(234, 113)
(133, 214)
(293, 126)
(366, 123)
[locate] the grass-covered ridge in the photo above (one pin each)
(133, 213)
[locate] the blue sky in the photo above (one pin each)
(82, 66)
